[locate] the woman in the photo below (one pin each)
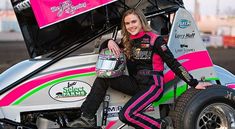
(146, 53)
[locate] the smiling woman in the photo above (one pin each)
(133, 24)
(60, 86)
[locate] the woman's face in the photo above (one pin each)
(133, 24)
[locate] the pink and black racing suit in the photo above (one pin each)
(149, 54)
(144, 83)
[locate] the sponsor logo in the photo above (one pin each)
(163, 47)
(145, 41)
(229, 95)
(184, 50)
(139, 53)
(113, 115)
(144, 45)
(184, 23)
(183, 46)
(70, 91)
(67, 7)
(114, 109)
(185, 36)
(113, 112)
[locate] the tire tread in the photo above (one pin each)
(182, 101)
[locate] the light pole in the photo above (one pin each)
(196, 11)
(217, 8)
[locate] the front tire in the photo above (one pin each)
(212, 108)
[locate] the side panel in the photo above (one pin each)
(63, 85)
(226, 77)
(187, 46)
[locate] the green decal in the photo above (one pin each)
(73, 92)
(180, 90)
(20, 100)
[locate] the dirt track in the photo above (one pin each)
(13, 52)
(223, 57)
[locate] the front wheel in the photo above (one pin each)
(216, 116)
(213, 108)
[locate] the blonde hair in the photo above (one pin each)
(126, 35)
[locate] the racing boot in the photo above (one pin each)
(83, 121)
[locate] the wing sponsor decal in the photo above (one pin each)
(67, 7)
(184, 23)
(48, 12)
(184, 49)
(69, 91)
(185, 36)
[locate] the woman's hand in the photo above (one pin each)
(203, 85)
(113, 47)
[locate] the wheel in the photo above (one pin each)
(212, 108)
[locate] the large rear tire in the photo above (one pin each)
(213, 108)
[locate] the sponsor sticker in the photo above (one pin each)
(184, 49)
(70, 91)
(183, 46)
(163, 47)
(113, 112)
(114, 109)
(144, 45)
(230, 95)
(184, 23)
(146, 40)
(185, 36)
(48, 12)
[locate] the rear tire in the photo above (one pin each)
(213, 108)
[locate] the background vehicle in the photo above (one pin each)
(47, 90)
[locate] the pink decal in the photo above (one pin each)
(24, 88)
(232, 86)
(110, 124)
(48, 12)
(193, 61)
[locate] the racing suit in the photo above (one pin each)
(149, 54)
(144, 83)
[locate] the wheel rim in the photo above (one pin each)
(217, 116)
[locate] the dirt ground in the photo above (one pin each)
(14, 52)
(11, 53)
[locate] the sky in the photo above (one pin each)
(207, 7)
(5, 3)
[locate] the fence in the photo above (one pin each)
(218, 41)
